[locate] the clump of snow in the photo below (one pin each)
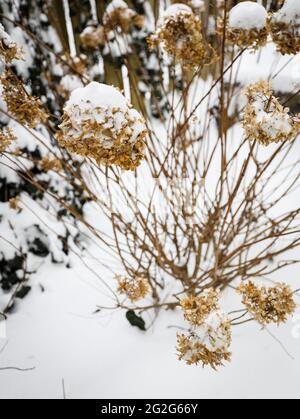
(248, 15)
(176, 8)
(289, 13)
(5, 38)
(97, 95)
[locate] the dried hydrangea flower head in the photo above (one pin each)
(197, 308)
(119, 15)
(208, 343)
(180, 34)
(27, 109)
(268, 305)
(93, 36)
(247, 25)
(9, 50)
(134, 288)
(6, 138)
(51, 164)
(285, 27)
(99, 123)
(265, 119)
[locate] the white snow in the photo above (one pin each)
(98, 95)
(248, 15)
(71, 82)
(5, 38)
(289, 13)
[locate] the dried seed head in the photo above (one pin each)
(134, 288)
(180, 34)
(93, 36)
(265, 119)
(247, 25)
(9, 50)
(285, 27)
(268, 305)
(197, 308)
(51, 164)
(119, 15)
(6, 138)
(99, 123)
(28, 110)
(208, 343)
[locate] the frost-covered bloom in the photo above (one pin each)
(27, 109)
(268, 305)
(247, 25)
(9, 50)
(197, 308)
(119, 15)
(98, 122)
(6, 138)
(180, 34)
(134, 288)
(285, 27)
(265, 119)
(208, 343)
(93, 36)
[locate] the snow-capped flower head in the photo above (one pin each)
(98, 122)
(119, 15)
(265, 119)
(68, 83)
(179, 32)
(268, 305)
(9, 50)
(197, 308)
(196, 5)
(285, 27)
(134, 288)
(27, 109)
(247, 25)
(208, 343)
(93, 36)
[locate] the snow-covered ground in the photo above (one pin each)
(102, 356)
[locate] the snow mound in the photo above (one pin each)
(248, 15)
(289, 13)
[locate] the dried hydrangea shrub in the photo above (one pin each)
(180, 34)
(6, 138)
(197, 308)
(119, 15)
(134, 288)
(268, 305)
(93, 36)
(247, 25)
(208, 343)
(265, 119)
(9, 50)
(99, 123)
(285, 27)
(28, 110)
